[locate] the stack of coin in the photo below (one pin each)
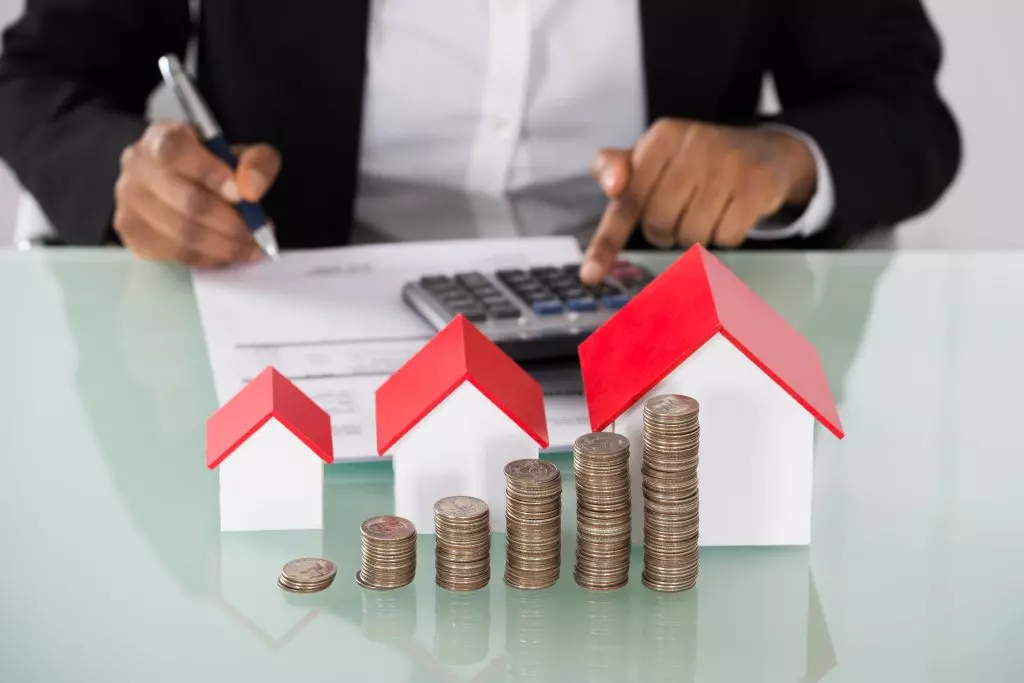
(462, 559)
(671, 503)
(389, 553)
(307, 575)
(533, 519)
(601, 465)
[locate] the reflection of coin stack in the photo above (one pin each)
(533, 520)
(463, 543)
(601, 466)
(605, 638)
(462, 627)
(389, 553)
(671, 500)
(669, 637)
(530, 638)
(389, 616)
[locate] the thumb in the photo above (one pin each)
(258, 166)
(612, 169)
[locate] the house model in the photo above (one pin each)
(269, 444)
(698, 330)
(452, 417)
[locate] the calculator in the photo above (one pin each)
(535, 314)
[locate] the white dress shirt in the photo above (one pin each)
(506, 101)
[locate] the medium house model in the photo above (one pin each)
(699, 330)
(269, 444)
(452, 417)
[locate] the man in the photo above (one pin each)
(657, 98)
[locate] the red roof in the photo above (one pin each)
(269, 395)
(694, 299)
(458, 353)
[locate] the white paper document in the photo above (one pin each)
(333, 321)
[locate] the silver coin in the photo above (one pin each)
(388, 528)
(531, 471)
(601, 443)
(672, 405)
(460, 506)
(309, 570)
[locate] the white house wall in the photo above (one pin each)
(755, 468)
(459, 449)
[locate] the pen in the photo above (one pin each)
(200, 116)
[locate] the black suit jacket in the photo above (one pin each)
(75, 76)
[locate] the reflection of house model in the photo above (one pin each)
(270, 443)
(699, 330)
(452, 417)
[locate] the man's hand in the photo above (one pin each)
(175, 198)
(688, 182)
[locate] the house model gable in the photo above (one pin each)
(452, 417)
(694, 299)
(458, 353)
(269, 395)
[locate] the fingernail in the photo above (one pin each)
(608, 182)
(259, 182)
(229, 190)
(590, 272)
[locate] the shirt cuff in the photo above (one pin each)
(819, 210)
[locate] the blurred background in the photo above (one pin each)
(980, 79)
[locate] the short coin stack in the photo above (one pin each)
(601, 465)
(307, 575)
(671, 502)
(462, 556)
(533, 518)
(389, 553)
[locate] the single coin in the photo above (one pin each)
(601, 443)
(309, 570)
(531, 471)
(671, 405)
(460, 507)
(388, 528)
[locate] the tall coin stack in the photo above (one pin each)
(533, 518)
(601, 465)
(462, 556)
(671, 501)
(389, 553)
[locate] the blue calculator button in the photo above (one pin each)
(615, 300)
(547, 307)
(582, 304)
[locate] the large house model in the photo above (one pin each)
(452, 417)
(269, 444)
(698, 330)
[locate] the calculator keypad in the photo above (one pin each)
(545, 291)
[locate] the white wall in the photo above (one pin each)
(982, 80)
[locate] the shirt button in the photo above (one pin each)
(508, 5)
(502, 127)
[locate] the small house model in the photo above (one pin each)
(698, 330)
(269, 444)
(452, 417)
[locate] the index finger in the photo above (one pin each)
(610, 237)
(178, 148)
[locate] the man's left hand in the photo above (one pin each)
(687, 182)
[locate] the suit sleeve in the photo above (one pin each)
(75, 78)
(859, 77)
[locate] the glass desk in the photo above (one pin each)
(113, 567)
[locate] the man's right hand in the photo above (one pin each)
(175, 198)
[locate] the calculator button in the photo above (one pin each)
(574, 292)
(495, 300)
(472, 280)
(547, 307)
(615, 300)
(432, 281)
(582, 304)
(544, 273)
(456, 299)
(486, 292)
(513, 276)
(505, 312)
